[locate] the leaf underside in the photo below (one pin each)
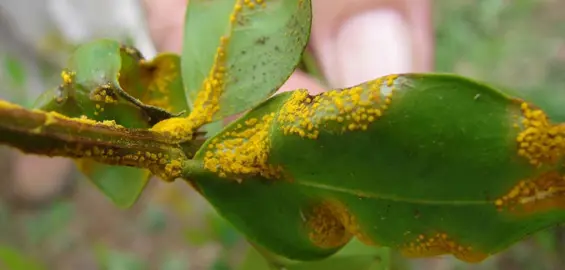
(424, 163)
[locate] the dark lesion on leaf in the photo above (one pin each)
(261, 40)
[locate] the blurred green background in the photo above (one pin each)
(52, 218)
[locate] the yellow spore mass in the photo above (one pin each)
(67, 77)
(331, 225)
(441, 244)
(243, 151)
(540, 141)
(352, 108)
(544, 192)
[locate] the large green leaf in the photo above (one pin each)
(107, 81)
(426, 164)
(237, 53)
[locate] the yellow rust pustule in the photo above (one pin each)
(162, 164)
(352, 108)
(540, 141)
(103, 95)
(441, 244)
(207, 101)
(545, 192)
(331, 225)
(246, 4)
(67, 76)
(244, 151)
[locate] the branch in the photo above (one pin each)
(53, 134)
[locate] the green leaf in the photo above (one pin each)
(237, 53)
(427, 164)
(107, 81)
(121, 184)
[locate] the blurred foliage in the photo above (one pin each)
(13, 259)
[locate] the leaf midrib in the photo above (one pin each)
(372, 195)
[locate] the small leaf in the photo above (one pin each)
(122, 185)
(427, 164)
(237, 53)
(157, 82)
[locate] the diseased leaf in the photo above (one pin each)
(427, 164)
(107, 81)
(156, 82)
(237, 53)
(240, 203)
